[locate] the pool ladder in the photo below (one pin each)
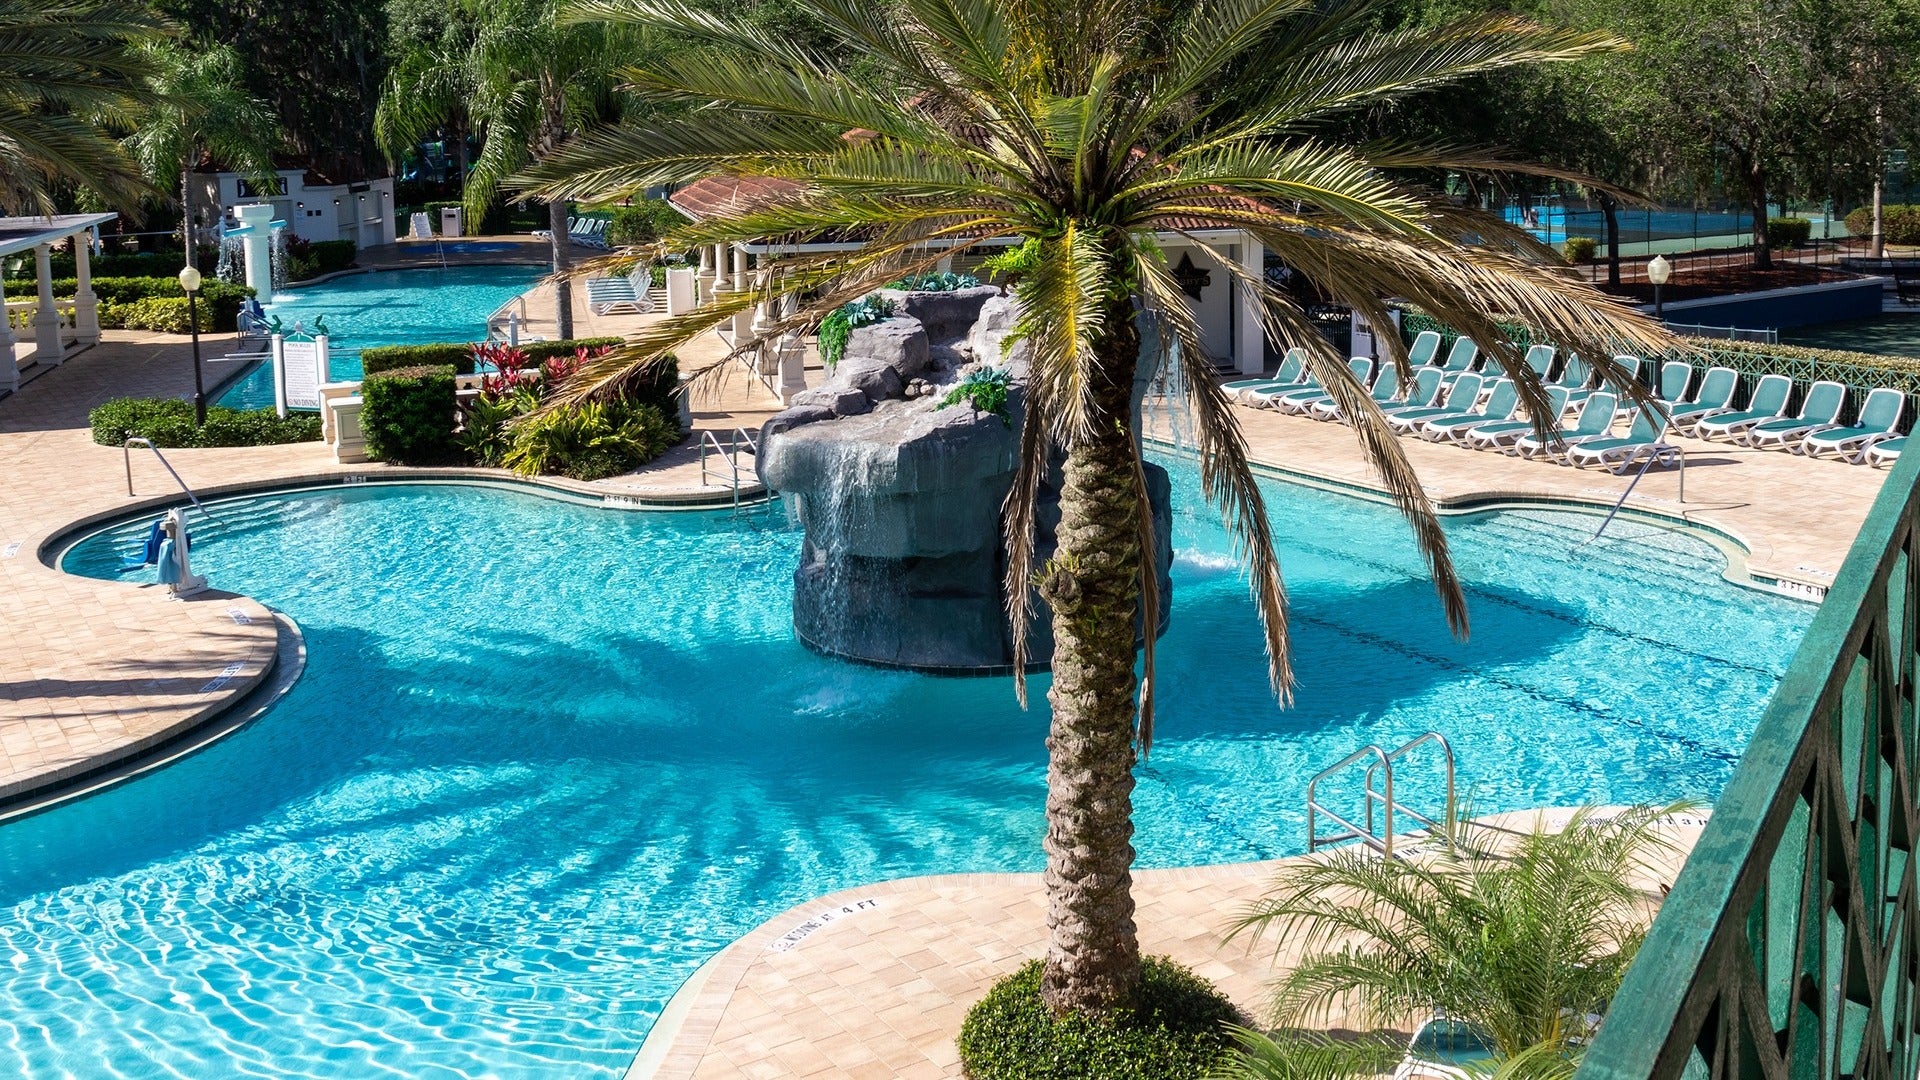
(741, 442)
(126, 454)
(1380, 767)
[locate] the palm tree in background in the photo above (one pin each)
(534, 79)
(1086, 128)
(1522, 939)
(68, 70)
(428, 89)
(200, 106)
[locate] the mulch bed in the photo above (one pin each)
(1693, 282)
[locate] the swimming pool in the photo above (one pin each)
(546, 758)
(393, 307)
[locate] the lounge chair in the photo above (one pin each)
(1386, 391)
(1424, 394)
(1465, 391)
(1714, 396)
(1617, 453)
(1577, 377)
(1596, 422)
(1290, 374)
(1493, 436)
(1462, 358)
(1769, 402)
(1879, 422)
(1820, 411)
(1426, 346)
(1886, 453)
(1299, 401)
(633, 292)
(1675, 377)
(1500, 406)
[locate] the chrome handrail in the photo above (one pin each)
(126, 455)
(1382, 766)
(1657, 454)
(729, 453)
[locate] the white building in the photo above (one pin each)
(313, 207)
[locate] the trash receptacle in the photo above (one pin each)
(450, 224)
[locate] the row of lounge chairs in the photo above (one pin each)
(631, 292)
(587, 232)
(1452, 401)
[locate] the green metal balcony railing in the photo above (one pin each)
(1787, 946)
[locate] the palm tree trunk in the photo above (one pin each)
(1611, 208)
(553, 127)
(1092, 586)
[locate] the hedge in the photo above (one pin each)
(643, 223)
(308, 259)
(407, 415)
(220, 299)
(1176, 1030)
(1899, 223)
(169, 423)
(1788, 232)
(133, 264)
(1580, 249)
(460, 354)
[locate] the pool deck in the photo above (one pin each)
(875, 981)
(95, 672)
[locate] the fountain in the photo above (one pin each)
(903, 557)
(231, 267)
(256, 234)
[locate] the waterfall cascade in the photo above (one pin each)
(277, 253)
(903, 558)
(231, 267)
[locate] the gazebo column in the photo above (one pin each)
(86, 306)
(9, 361)
(46, 320)
(763, 312)
(719, 256)
(742, 282)
(791, 352)
(1249, 337)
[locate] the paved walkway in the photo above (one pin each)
(874, 982)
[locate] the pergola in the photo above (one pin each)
(54, 326)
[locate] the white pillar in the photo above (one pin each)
(680, 285)
(1249, 339)
(763, 317)
(791, 355)
(944, 266)
(257, 245)
(46, 321)
(86, 306)
(742, 282)
(9, 361)
(720, 282)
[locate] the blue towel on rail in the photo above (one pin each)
(149, 549)
(169, 567)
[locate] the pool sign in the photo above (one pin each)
(299, 367)
(819, 921)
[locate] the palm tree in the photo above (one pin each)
(429, 86)
(535, 78)
(201, 106)
(1523, 940)
(68, 70)
(1070, 125)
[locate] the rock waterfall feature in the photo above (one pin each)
(900, 497)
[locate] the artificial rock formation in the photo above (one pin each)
(900, 498)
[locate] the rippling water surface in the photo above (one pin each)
(546, 758)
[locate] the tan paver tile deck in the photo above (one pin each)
(801, 1011)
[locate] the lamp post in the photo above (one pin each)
(1658, 271)
(190, 282)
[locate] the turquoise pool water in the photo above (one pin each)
(393, 307)
(546, 758)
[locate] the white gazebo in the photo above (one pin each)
(54, 326)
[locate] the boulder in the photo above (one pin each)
(898, 343)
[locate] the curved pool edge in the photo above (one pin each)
(934, 956)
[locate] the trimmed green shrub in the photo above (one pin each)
(220, 299)
(133, 264)
(1177, 1030)
(1788, 232)
(1899, 223)
(643, 223)
(169, 423)
(460, 354)
(1580, 249)
(407, 415)
(591, 441)
(165, 314)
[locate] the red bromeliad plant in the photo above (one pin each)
(511, 366)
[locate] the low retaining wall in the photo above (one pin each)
(1802, 305)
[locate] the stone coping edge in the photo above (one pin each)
(252, 698)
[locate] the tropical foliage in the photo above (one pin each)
(1525, 939)
(68, 68)
(1082, 129)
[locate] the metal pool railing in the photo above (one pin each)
(1787, 947)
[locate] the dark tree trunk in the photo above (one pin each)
(553, 127)
(1755, 176)
(1092, 586)
(1611, 208)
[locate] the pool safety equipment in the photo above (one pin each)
(176, 569)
